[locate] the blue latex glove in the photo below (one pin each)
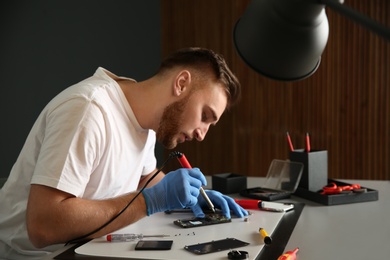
(225, 203)
(178, 189)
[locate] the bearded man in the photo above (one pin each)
(87, 165)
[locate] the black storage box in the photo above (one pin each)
(336, 199)
(228, 182)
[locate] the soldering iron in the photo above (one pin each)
(185, 164)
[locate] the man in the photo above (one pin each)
(91, 151)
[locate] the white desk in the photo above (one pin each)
(161, 223)
(357, 231)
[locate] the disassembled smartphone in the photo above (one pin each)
(209, 219)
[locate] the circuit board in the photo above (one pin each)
(209, 219)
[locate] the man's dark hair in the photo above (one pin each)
(205, 60)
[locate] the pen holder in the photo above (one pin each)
(315, 170)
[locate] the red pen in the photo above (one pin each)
(289, 142)
(307, 143)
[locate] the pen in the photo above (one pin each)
(307, 142)
(129, 237)
(185, 164)
(289, 142)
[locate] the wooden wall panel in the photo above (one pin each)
(345, 105)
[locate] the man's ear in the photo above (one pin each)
(182, 81)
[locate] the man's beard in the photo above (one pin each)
(167, 132)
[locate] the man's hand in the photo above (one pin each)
(225, 203)
(178, 189)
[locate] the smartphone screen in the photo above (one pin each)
(215, 246)
(154, 245)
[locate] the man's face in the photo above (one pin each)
(191, 116)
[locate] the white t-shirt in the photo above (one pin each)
(86, 142)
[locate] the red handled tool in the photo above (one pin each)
(332, 188)
(289, 255)
(290, 145)
(249, 204)
(307, 139)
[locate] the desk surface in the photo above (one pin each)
(160, 223)
(356, 231)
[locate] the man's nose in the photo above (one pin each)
(200, 133)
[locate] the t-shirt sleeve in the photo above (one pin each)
(71, 147)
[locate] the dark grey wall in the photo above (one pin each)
(47, 45)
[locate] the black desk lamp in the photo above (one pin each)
(284, 39)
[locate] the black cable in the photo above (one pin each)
(81, 238)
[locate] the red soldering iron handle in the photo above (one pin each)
(289, 255)
(184, 162)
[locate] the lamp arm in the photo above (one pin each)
(358, 17)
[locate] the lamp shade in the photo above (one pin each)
(282, 39)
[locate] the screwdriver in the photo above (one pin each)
(289, 255)
(129, 237)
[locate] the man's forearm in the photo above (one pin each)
(56, 217)
(155, 180)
